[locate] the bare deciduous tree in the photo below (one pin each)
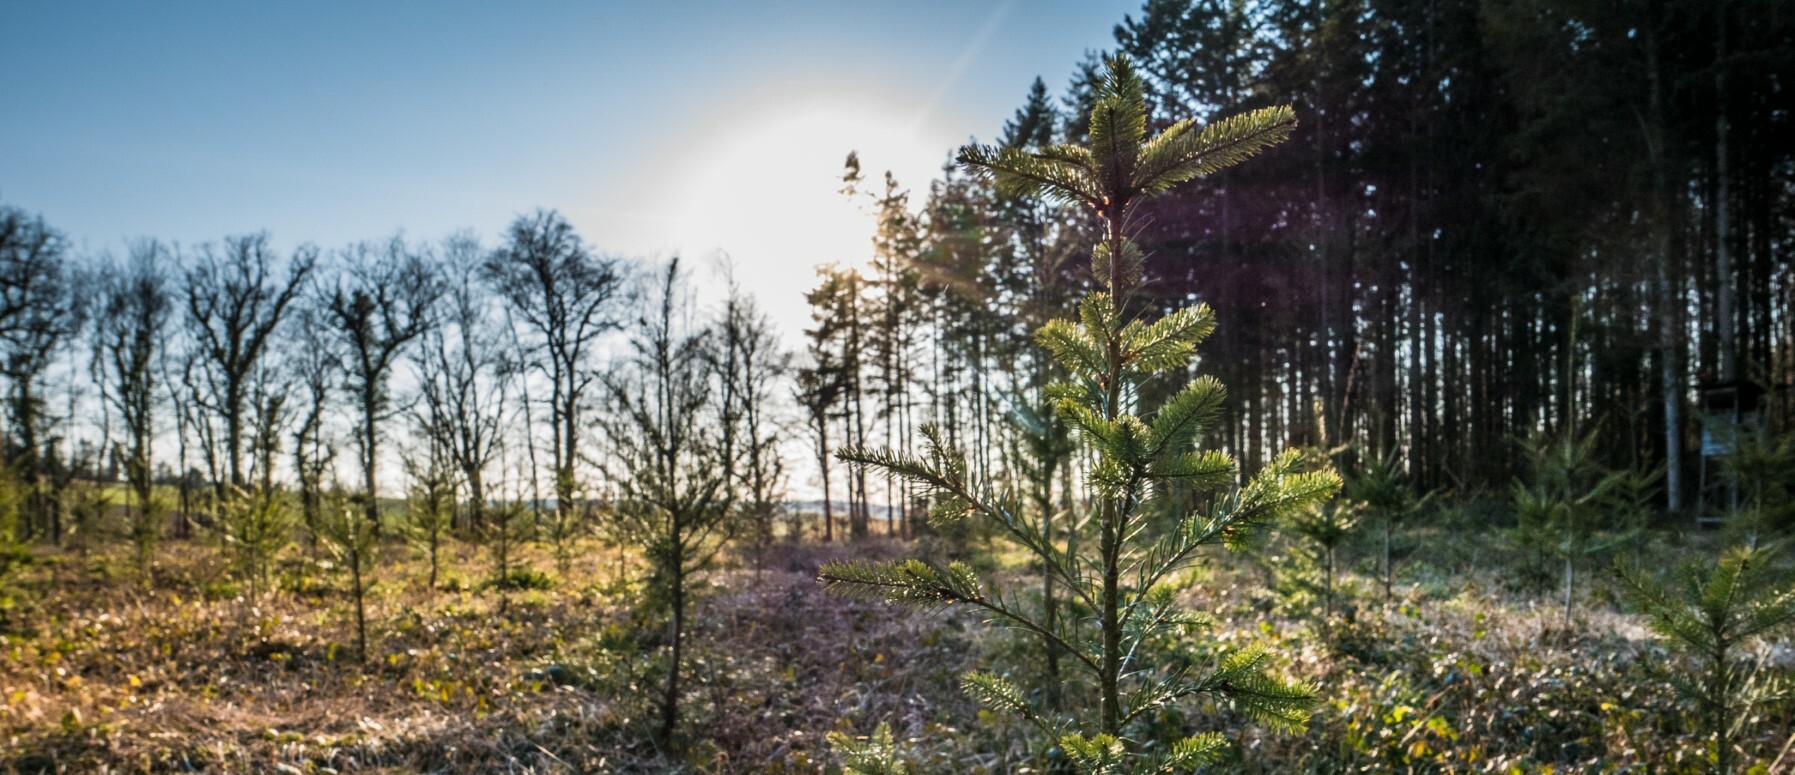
(40, 310)
(562, 294)
(383, 301)
(236, 300)
(751, 368)
(318, 371)
(464, 376)
(135, 304)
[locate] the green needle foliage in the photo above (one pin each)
(1764, 470)
(349, 537)
(256, 528)
(1711, 611)
(1132, 645)
(506, 529)
(1324, 529)
(1568, 503)
(1384, 489)
(877, 756)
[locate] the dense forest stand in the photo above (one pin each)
(1728, 410)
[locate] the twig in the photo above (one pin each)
(1777, 765)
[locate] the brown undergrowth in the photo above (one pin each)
(1461, 672)
(101, 674)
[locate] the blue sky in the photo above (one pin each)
(658, 128)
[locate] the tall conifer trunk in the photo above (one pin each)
(1723, 232)
(1670, 359)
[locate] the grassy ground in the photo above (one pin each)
(1467, 669)
(101, 672)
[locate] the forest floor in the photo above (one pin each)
(1466, 669)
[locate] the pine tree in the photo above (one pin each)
(1564, 507)
(820, 389)
(896, 245)
(1325, 528)
(1763, 468)
(676, 483)
(255, 528)
(1043, 445)
(1385, 491)
(1711, 611)
(960, 290)
(1109, 350)
(430, 505)
(503, 533)
(879, 755)
(834, 376)
(1320, 530)
(350, 538)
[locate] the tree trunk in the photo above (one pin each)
(1111, 666)
(356, 561)
(233, 432)
(1670, 359)
(1112, 516)
(564, 477)
(1720, 688)
(1388, 528)
(1049, 607)
(370, 458)
(1328, 587)
(1569, 585)
(1724, 304)
(476, 493)
(670, 697)
(822, 459)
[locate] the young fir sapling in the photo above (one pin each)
(1109, 350)
(1384, 490)
(1567, 504)
(256, 527)
(1711, 611)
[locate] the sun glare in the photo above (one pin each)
(765, 189)
(772, 187)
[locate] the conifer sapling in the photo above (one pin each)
(1711, 611)
(1132, 652)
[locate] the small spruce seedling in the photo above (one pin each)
(1131, 645)
(1712, 611)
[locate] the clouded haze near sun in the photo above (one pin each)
(657, 128)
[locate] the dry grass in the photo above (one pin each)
(102, 674)
(1463, 672)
